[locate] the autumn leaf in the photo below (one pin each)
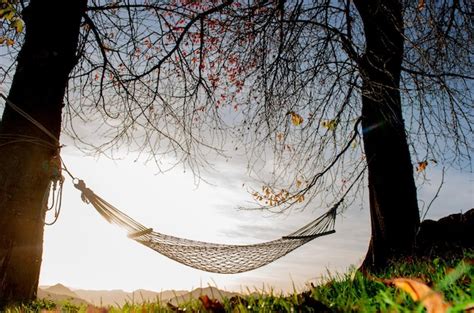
(298, 183)
(296, 119)
(18, 25)
(7, 12)
(421, 5)
(431, 300)
(211, 305)
(330, 124)
(469, 308)
(421, 166)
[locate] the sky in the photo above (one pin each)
(83, 251)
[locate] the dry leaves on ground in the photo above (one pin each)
(433, 301)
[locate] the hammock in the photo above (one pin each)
(211, 257)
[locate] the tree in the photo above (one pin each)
(291, 80)
(43, 65)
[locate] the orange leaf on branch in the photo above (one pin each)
(421, 166)
(296, 119)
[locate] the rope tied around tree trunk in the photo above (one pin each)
(29, 118)
(52, 198)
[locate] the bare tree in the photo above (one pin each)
(316, 90)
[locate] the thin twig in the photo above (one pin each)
(436, 194)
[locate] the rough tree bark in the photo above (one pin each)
(38, 87)
(392, 191)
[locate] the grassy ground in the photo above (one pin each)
(448, 287)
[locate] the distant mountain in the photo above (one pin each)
(162, 296)
(60, 293)
(211, 292)
(120, 297)
(104, 297)
(60, 289)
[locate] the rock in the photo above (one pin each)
(449, 236)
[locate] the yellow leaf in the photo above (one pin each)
(431, 300)
(18, 24)
(6, 9)
(280, 136)
(9, 16)
(10, 42)
(330, 124)
(267, 192)
(296, 119)
(298, 183)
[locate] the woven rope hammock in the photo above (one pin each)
(211, 257)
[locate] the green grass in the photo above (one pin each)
(351, 292)
(357, 293)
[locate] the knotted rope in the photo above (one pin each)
(54, 191)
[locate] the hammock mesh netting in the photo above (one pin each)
(211, 257)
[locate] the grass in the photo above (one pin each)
(358, 293)
(351, 292)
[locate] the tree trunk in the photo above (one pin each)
(43, 65)
(392, 191)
